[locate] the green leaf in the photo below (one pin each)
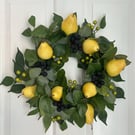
(80, 121)
(82, 109)
(41, 80)
(120, 56)
(18, 66)
(45, 105)
(104, 43)
(32, 21)
(47, 121)
(33, 101)
(63, 125)
(117, 78)
(51, 75)
(120, 93)
(103, 116)
(103, 22)
(17, 88)
(59, 49)
(110, 53)
(7, 81)
(85, 31)
(98, 102)
(31, 57)
(34, 72)
(33, 112)
(69, 98)
(27, 32)
(30, 82)
(77, 96)
(92, 67)
(110, 106)
(110, 98)
(40, 32)
(19, 58)
(40, 90)
(61, 79)
(56, 24)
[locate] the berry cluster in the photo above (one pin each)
(75, 42)
(98, 79)
(20, 76)
(60, 106)
(44, 65)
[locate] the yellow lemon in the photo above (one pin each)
(89, 114)
(90, 46)
(115, 66)
(69, 25)
(29, 91)
(57, 92)
(89, 89)
(45, 51)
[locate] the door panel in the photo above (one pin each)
(15, 13)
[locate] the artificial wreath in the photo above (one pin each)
(40, 77)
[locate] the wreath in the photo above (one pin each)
(40, 77)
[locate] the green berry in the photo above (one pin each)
(115, 93)
(95, 22)
(58, 118)
(82, 60)
(74, 82)
(18, 80)
(61, 58)
(87, 57)
(53, 56)
(58, 62)
(23, 74)
(97, 28)
(69, 81)
(18, 72)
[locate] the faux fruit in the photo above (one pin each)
(69, 25)
(90, 46)
(57, 92)
(89, 114)
(115, 66)
(89, 89)
(29, 91)
(45, 51)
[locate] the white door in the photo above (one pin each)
(14, 15)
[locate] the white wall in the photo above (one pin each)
(131, 72)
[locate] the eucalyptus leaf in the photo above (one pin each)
(34, 72)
